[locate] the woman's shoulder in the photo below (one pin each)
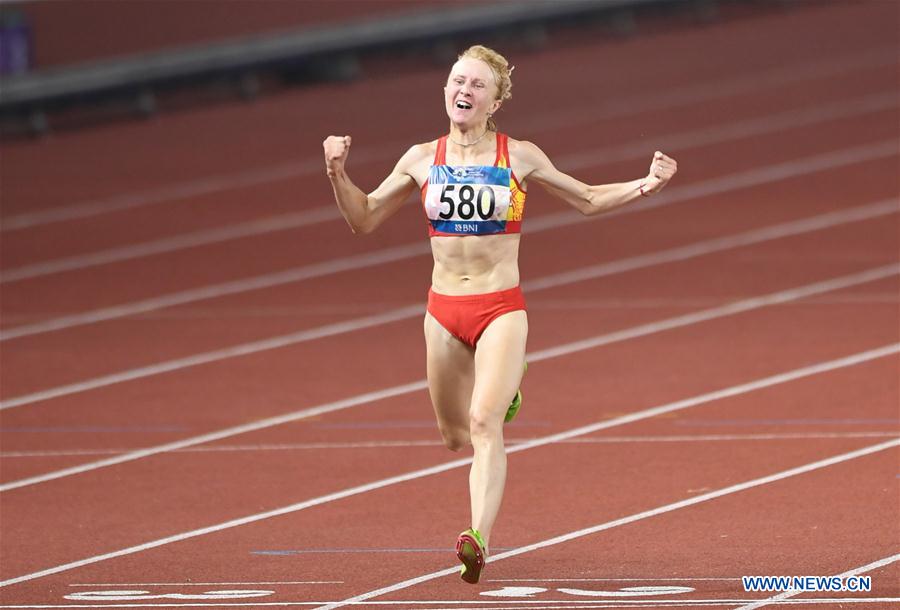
(418, 154)
(521, 146)
(525, 152)
(423, 150)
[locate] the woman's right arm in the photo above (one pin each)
(364, 213)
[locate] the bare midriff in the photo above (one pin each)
(475, 265)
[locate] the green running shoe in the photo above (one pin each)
(513, 409)
(472, 552)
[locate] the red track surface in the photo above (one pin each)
(146, 26)
(748, 107)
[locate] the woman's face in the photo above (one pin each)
(471, 92)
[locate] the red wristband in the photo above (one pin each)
(641, 189)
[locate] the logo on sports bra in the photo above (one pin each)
(467, 173)
(468, 200)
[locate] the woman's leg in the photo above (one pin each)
(450, 366)
(499, 360)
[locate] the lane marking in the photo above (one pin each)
(660, 579)
(703, 188)
(208, 584)
(112, 595)
(852, 572)
(270, 224)
(629, 592)
(592, 158)
(692, 94)
(510, 604)
(289, 552)
(700, 438)
(689, 94)
(253, 347)
(822, 421)
(399, 390)
(90, 429)
(548, 303)
(590, 272)
(516, 593)
(747, 128)
(258, 282)
(194, 187)
(725, 491)
(766, 382)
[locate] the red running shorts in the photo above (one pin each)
(466, 317)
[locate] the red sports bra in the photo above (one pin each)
(473, 199)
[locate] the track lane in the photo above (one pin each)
(198, 399)
(561, 480)
(815, 515)
(680, 380)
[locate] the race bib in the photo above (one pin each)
(468, 200)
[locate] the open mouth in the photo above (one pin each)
(463, 105)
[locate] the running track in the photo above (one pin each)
(210, 385)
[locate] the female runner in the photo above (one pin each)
(473, 186)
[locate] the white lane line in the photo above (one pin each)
(592, 158)
(657, 603)
(659, 579)
(692, 94)
(725, 491)
(618, 604)
(490, 605)
(716, 312)
(764, 175)
(874, 58)
(680, 253)
(207, 584)
(736, 130)
(262, 226)
(699, 438)
(736, 181)
(554, 352)
(328, 330)
(296, 274)
(758, 384)
(852, 572)
(549, 303)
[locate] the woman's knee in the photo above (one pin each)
(454, 438)
(484, 425)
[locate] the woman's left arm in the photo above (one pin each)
(589, 199)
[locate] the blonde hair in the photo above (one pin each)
(499, 67)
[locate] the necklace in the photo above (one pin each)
(470, 143)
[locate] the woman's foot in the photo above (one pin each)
(472, 552)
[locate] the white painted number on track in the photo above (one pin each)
(623, 592)
(628, 591)
(142, 595)
(515, 592)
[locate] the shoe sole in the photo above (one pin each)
(472, 558)
(516, 404)
(513, 409)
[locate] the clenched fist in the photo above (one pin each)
(662, 168)
(336, 150)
